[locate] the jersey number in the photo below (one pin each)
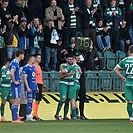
(129, 66)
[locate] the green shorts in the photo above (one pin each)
(6, 93)
(128, 92)
(63, 91)
(73, 91)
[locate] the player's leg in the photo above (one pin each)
(4, 94)
(36, 103)
(129, 98)
(72, 97)
(30, 97)
(16, 92)
(73, 93)
(63, 96)
(66, 108)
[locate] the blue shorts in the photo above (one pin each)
(31, 94)
(16, 91)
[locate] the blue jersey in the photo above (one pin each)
(14, 65)
(29, 71)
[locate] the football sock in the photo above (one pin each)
(36, 109)
(66, 108)
(33, 108)
(15, 112)
(12, 112)
(74, 113)
(29, 107)
(59, 107)
(129, 109)
(2, 109)
(77, 111)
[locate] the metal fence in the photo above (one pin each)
(94, 81)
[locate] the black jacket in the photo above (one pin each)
(67, 13)
(47, 38)
(124, 34)
(8, 36)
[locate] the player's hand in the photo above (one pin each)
(44, 87)
(71, 73)
(123, 79)
(29, 90)
(37, 90)
(16, 82)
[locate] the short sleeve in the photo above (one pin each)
(25, 71)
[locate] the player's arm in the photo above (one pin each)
(117, 71)
(63, 75)
(26, 83)
(13, 77)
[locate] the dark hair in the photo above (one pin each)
(28, 57)
(37, 55)
(131, 49)
(69, 55)
(19, 52)
(5, 1)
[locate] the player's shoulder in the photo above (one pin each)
(3, 68)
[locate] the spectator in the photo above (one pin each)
(92, 59)
(11, 39)
(22, 10)
(34, 37)
(72, 15)
(35, 7)
(129, 12)
(51, 37)
(5, 13)
(71, 49)
(102, 37)
(23, 32)
(54, 13)
(61, 54)
(124, 37)
(2, 44)
(122, 6)
(89, 20)
(113, 17)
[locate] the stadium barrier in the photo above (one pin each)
(94, 81)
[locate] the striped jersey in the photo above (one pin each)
(72, 17)
(66, 80)
(5, 77)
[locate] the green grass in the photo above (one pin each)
(81, 126)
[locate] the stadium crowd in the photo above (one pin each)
(49, 28)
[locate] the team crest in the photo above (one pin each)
(33, 74)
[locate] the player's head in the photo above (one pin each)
(20, 54)
(74, 60)
(77, 57)
(130, 50)
(38, 58)
(69, 59)
(30, 59)
(7, 63)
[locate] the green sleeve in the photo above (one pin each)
(4, 77)
(120, 64)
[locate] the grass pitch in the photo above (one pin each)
(71, 126)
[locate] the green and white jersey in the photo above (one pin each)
(5, 77)
(108, 14)
(127, 65)
(66, 79)
(75, 68)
